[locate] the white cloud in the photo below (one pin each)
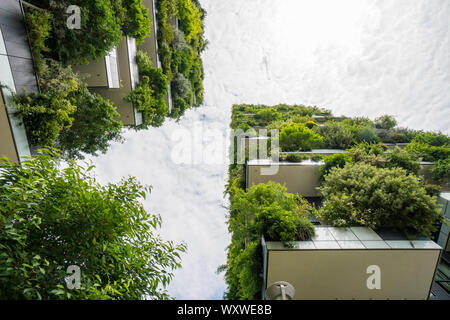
(354, 57)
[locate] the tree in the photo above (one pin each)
(100, 29)
(336, 136)
(136, 23)
(65, 113)
(191, 20)
(152, 107)
(268, 210)
(93, 128)
(385, 122)
(179, 40)
(264, 116)
(297, 136)
(44, 116)
(52, 218)
(180, 86)
(363, 195)
(430, 146)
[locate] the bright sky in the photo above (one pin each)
(355, 57)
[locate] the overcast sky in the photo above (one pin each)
(355, 57)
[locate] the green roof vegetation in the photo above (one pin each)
(65, 113)
(180, 49)
(369, 184)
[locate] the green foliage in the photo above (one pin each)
(337, 160)
(54, 218)
(93, 128)
(39, 26)
(336, 135)
(264, 116)
(268, 210)
(403, 159)
(152, 107)
(191, 21)
(136, 23)
(179, 40)
(47, 113)
(158, 81)
(397, 135)
(297, 136)
(363, 195)
(430, 146)
(100, 29)
(441, 170)
(178, 108)
(179, 50)
(44, 116)
(66, 114)
(294, 157)
(366, 134)
(385, 122)
(180, 86)
(243, 116)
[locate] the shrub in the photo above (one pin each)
(264, 116)
(179, 41)
(158, 81)
(47, 113)
(337, 160)
(180, 86)
(191, 20)
(100, 29)
(366, 134)
(93, 128)
(403, 159)
(44, 116)
(430, 146)
(294, 157)
(441, 170)
(397, 135)
(296, 136)
(39, 25)
(65, 113)
(363, 195)
(336, 136)
(385, 122)
(136, 23)
(153, 108)
(54, 218)
(178, 108)
(266, 209)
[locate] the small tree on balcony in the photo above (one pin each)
(363, 195)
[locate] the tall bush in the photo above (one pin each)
(297, 136)
(363, 195)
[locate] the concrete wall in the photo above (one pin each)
(150, 43)
(7, 145)
(301, 178)
(342, 274)
(125, 109)
(96, 71)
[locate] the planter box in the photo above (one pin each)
(319, 152)
(334, 265)
(301, 177)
